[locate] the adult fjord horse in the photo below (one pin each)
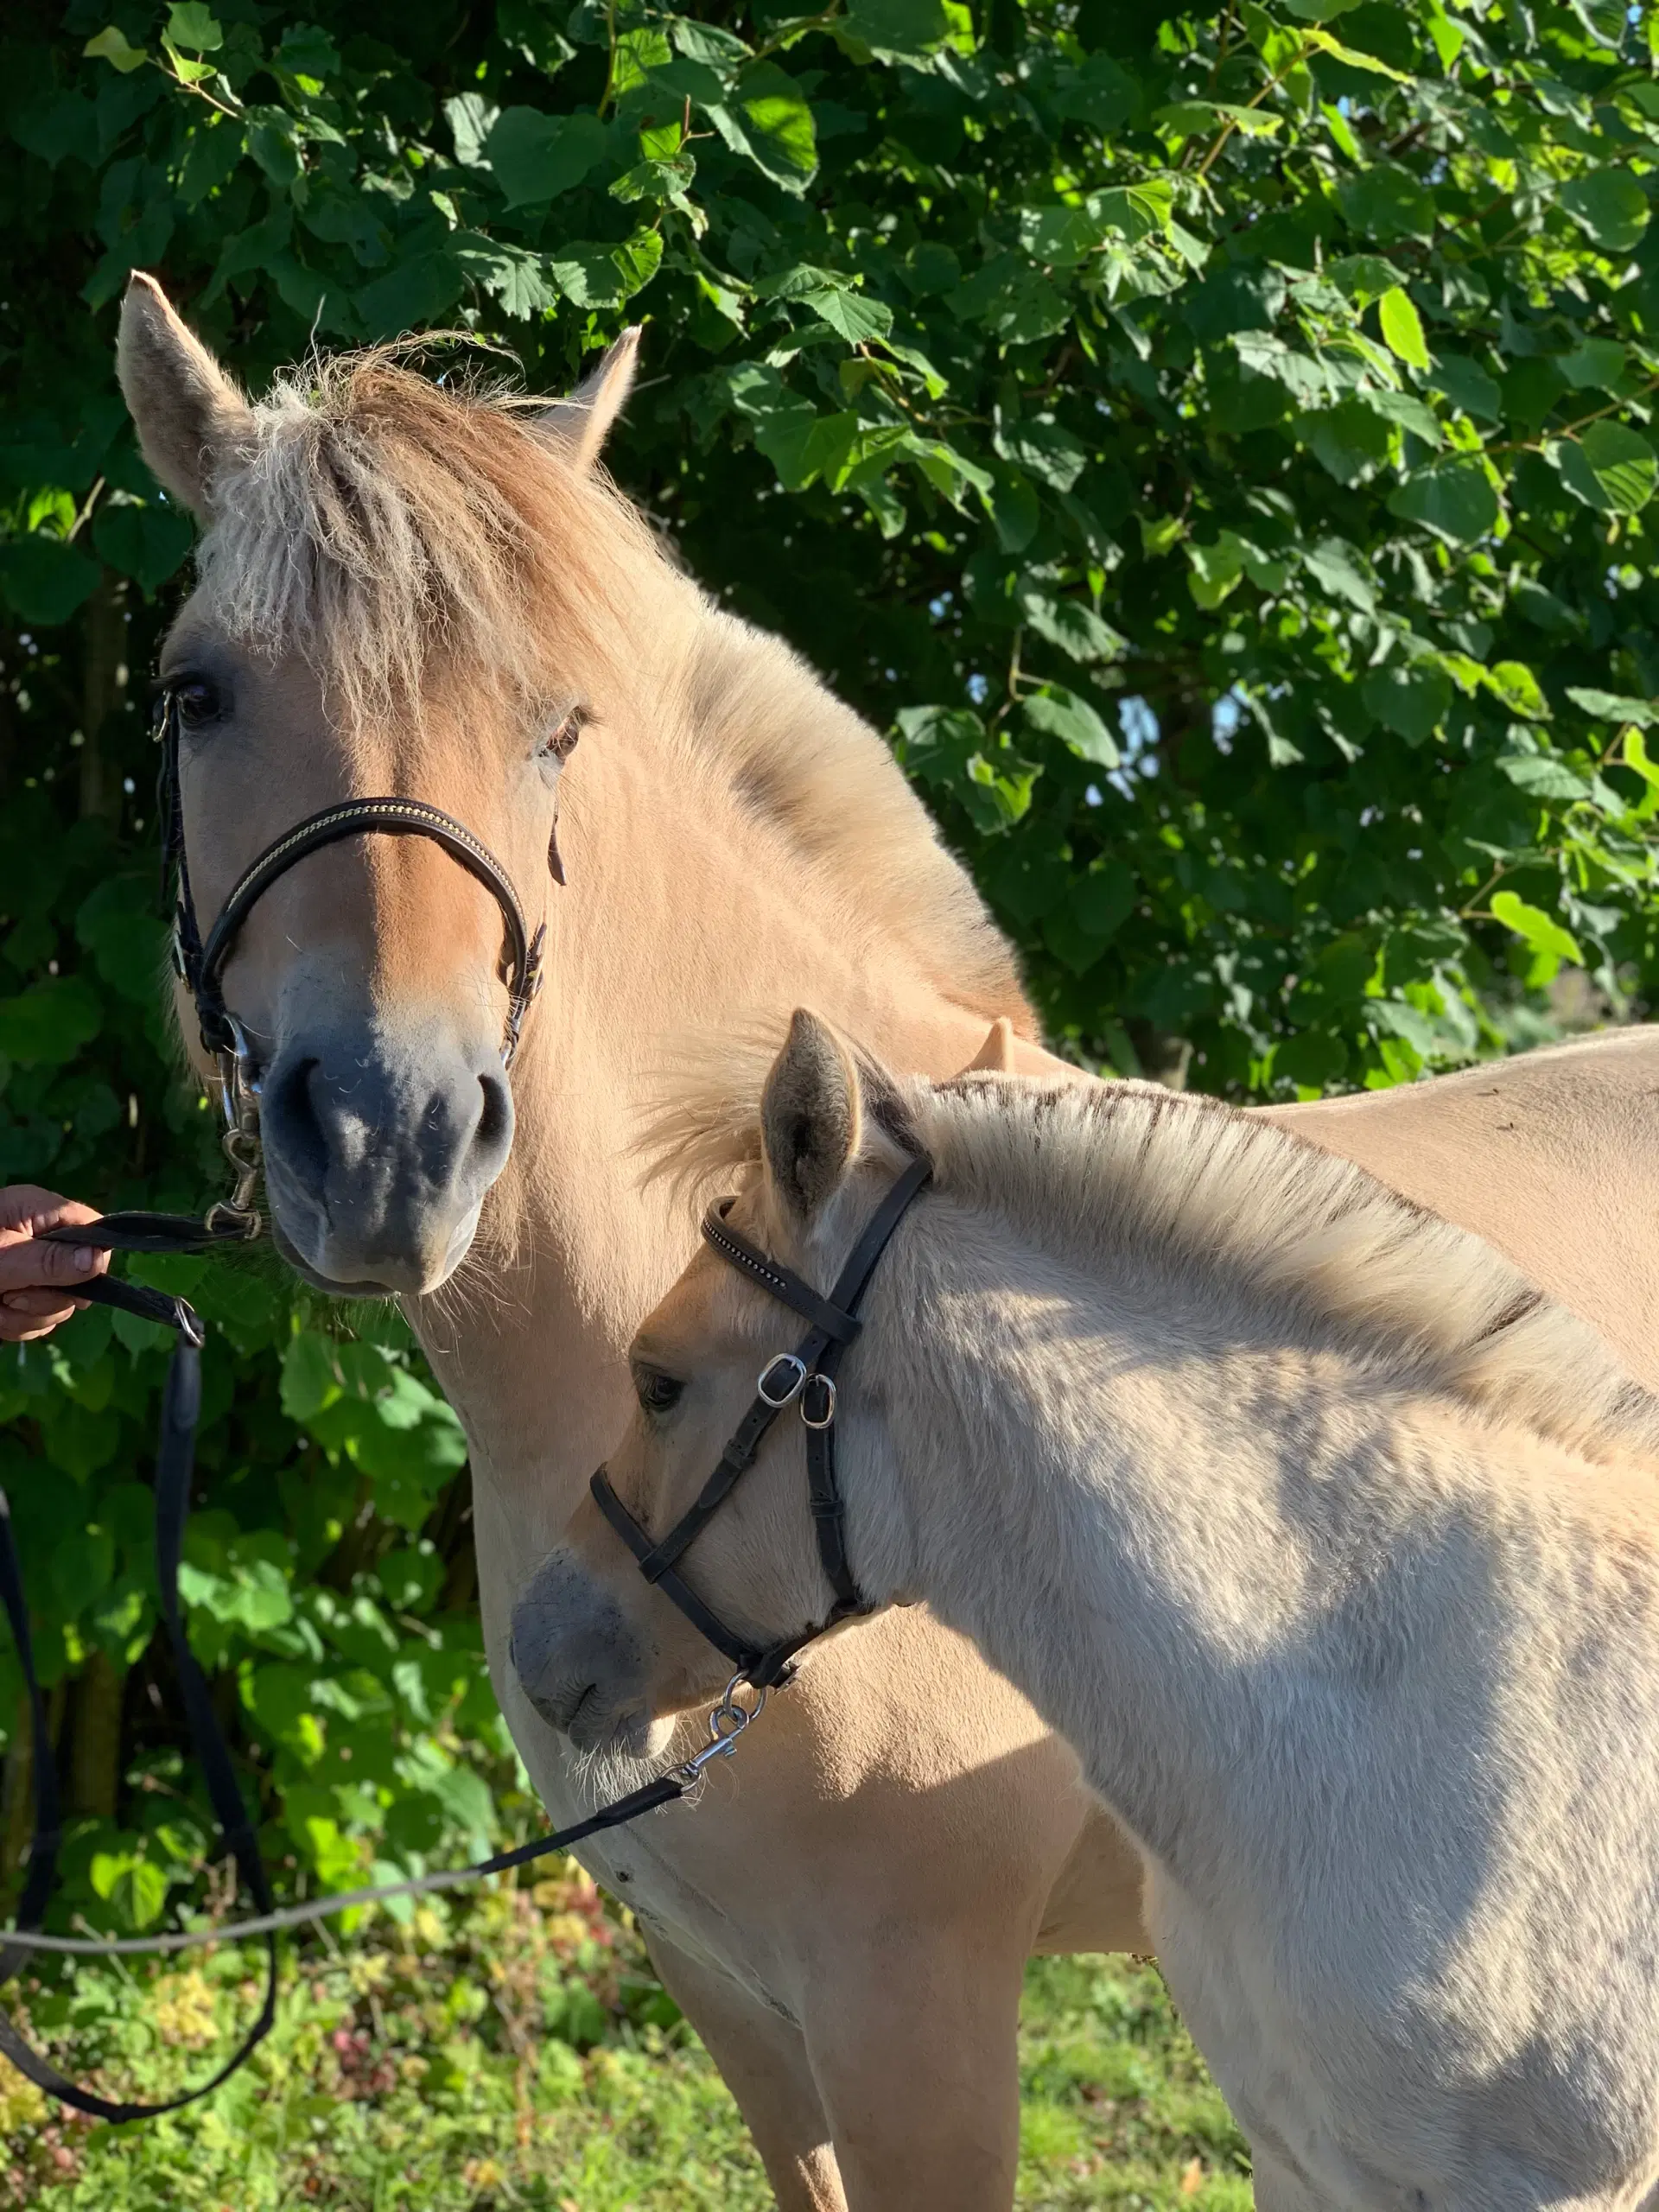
(408, 591)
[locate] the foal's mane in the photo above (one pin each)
(1109, 1173)
(402, 536)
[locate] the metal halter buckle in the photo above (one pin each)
(781, 1380)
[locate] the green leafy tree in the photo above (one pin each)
(1216, 444)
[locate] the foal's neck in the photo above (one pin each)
(1141, 1528)
(685, 909)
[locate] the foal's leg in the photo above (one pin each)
(764, 2063)
(912, 2041)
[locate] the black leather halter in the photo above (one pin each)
(202, 964)
(807, 1377)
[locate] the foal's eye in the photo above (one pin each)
(657, 1393)
(559, 742)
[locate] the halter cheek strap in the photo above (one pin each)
(805, 1376)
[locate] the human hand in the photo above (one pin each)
(37, 1280)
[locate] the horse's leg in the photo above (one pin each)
(912, 2043)
(763, 2062)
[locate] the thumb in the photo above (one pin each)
(31, 1263)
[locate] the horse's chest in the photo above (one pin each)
(641, 1866)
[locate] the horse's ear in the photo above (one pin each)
(583, 423)
(811, 1117)
(186, 409)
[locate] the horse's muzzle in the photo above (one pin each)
(380, 1142)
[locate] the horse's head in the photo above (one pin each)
(602, 1653)
(402, 591)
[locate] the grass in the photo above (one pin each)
(516, 2053)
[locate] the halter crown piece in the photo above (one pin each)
(805, 1376)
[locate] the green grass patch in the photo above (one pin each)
(517, 2052)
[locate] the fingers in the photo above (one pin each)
(27, 1263)
(37, 1279)
(26, 1314)
(27, 1207)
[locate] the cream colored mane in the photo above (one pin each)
(1092, 1173)
(404, 538)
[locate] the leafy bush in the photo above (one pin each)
(1214, 442)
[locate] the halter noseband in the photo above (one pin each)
(201, 965)
(807, 1375)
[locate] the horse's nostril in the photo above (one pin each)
(289, 1111)
(495, 1121)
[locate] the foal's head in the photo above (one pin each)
(600, 1654)
(404, 591)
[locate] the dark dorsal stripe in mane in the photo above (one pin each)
(1188, 1183)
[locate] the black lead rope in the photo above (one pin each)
(175, 1463)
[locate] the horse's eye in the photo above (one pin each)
(657, 1393)
(199, 702)
(560, 741)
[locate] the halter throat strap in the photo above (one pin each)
(807, 1377)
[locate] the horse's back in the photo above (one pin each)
(1551, 1156)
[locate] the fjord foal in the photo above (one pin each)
(1331, 1544)
(409, 591)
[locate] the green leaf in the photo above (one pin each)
(535, 157)
(897, 26)
(1215, 570)
(1537, 928)
(135, 1887)
(779, 125)
(1541, 775)
(193, 26)
(1610, 205)
(1514, 682)
(1614, 707)
(857, 320)
(1402, 329)
(1609, 467)
(148, 542)
(1467, 385)
(1595, 362)
(111, 45)
(1453, 497)
(45, 581)
(1355, 57)
(1411, 697)
(49, 1024)
(518, 279)
(1386, 202)
(1056, 712)
(1188, 118)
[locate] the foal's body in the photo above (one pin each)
(846, 1915)
(1331, 1547)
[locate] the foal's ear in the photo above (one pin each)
(583, 423)
(186, 409)
(811, 1117)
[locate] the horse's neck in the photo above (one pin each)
(682, 911)
(1134, 1525)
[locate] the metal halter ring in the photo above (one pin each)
(769, 1391)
